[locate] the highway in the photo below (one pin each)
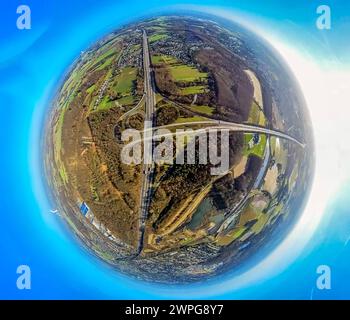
(216, 125)
(148, 167)
(232, 126)
(132, 111)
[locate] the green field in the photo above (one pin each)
(158, 59)
(125, 81)
(107, 58)
(191, 119)
(260, 224)
(180, 72)
(159, 29)
(184, 73)
(203, 109)
(231, 236)
(135, 48)
(157, 37)
(192, 90)
(106, 64)
(104, 104)
(258, 149)
(123, 86)
(127, 100)
(73, 82)
(91, 89)
(107, 54)
(256, 115)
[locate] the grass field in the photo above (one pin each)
(192, 119)
(73, 82)
(159, 97)
(106, 54)
(203, 109)
(127, 100)
(230, 236)
(249, 214)
(135, 48)
(157, 59)
(257, 149)
(184, 73)
(260, 224)
(159, 28)
(91, 89)
(256, 115)
(107, 58)
(104, 104)
(157, 37)
(179, 71)
(125, 81)
(123, 86)
(192, 90)
(107, 63)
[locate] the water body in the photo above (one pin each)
(204, 208)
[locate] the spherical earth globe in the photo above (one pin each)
(178, 148)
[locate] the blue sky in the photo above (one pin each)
(31, 64)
